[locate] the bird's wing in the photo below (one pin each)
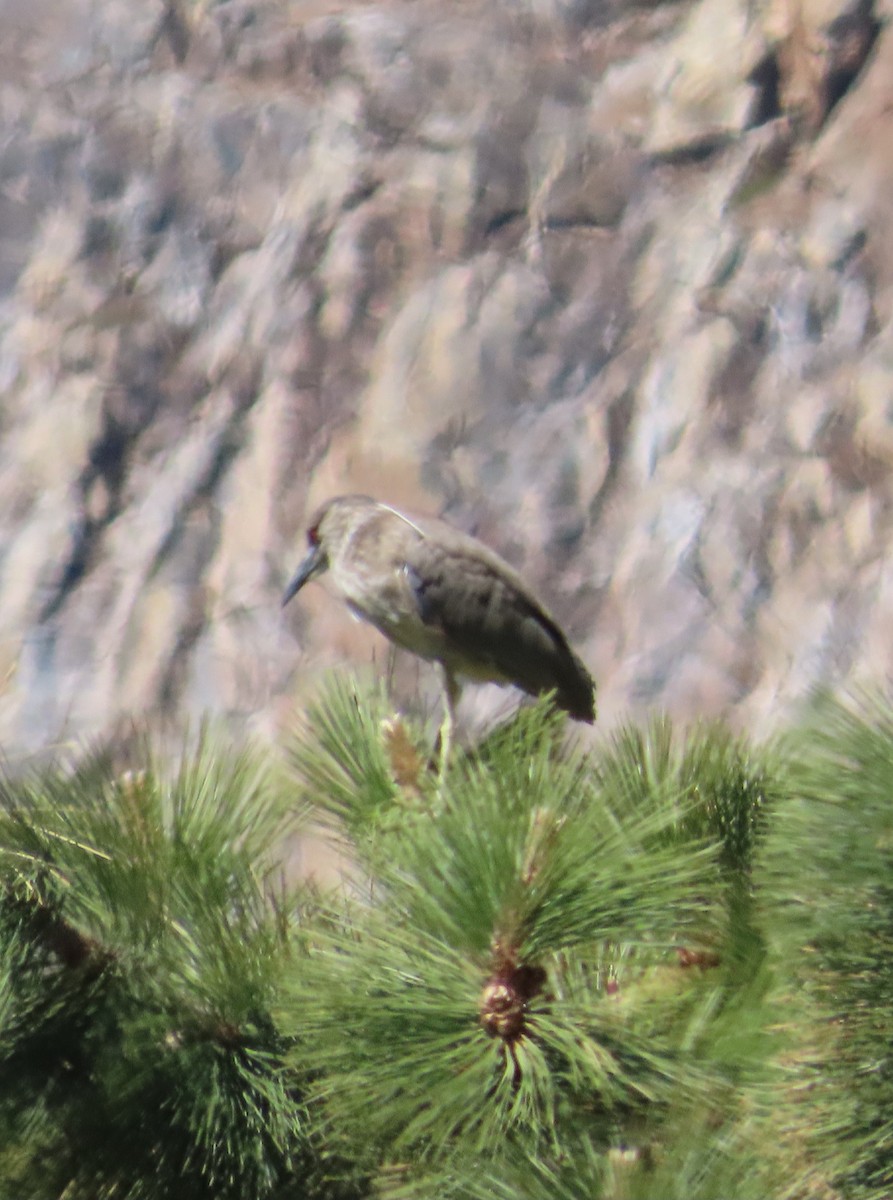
(491, 624)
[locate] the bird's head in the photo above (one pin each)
(330, 528)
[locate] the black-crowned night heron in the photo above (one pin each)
(444, 596)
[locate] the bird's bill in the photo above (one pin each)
(314, 564)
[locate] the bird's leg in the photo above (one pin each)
(448, 724)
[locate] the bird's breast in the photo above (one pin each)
(384, 597)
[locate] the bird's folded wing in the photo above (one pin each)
(491, 622)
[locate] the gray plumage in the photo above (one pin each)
(446, 597)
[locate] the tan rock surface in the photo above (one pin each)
(609, 286)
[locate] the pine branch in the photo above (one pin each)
(145, 949)
(825, 886)
(515, 972)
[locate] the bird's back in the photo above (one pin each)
(494, 627)
(446, 596)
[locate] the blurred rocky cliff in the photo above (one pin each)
(609, 284)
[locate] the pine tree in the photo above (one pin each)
(533, 973)
(656, 969)
(827, 880)
(143, 940)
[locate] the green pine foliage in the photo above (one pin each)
(827, 887)
(657, 969)
(530, 969)
(142, 944)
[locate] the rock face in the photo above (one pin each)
(610, 286)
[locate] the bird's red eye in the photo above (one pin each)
(313, 535)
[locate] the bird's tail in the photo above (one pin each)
(576, 694)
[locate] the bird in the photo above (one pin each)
(445, 596)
